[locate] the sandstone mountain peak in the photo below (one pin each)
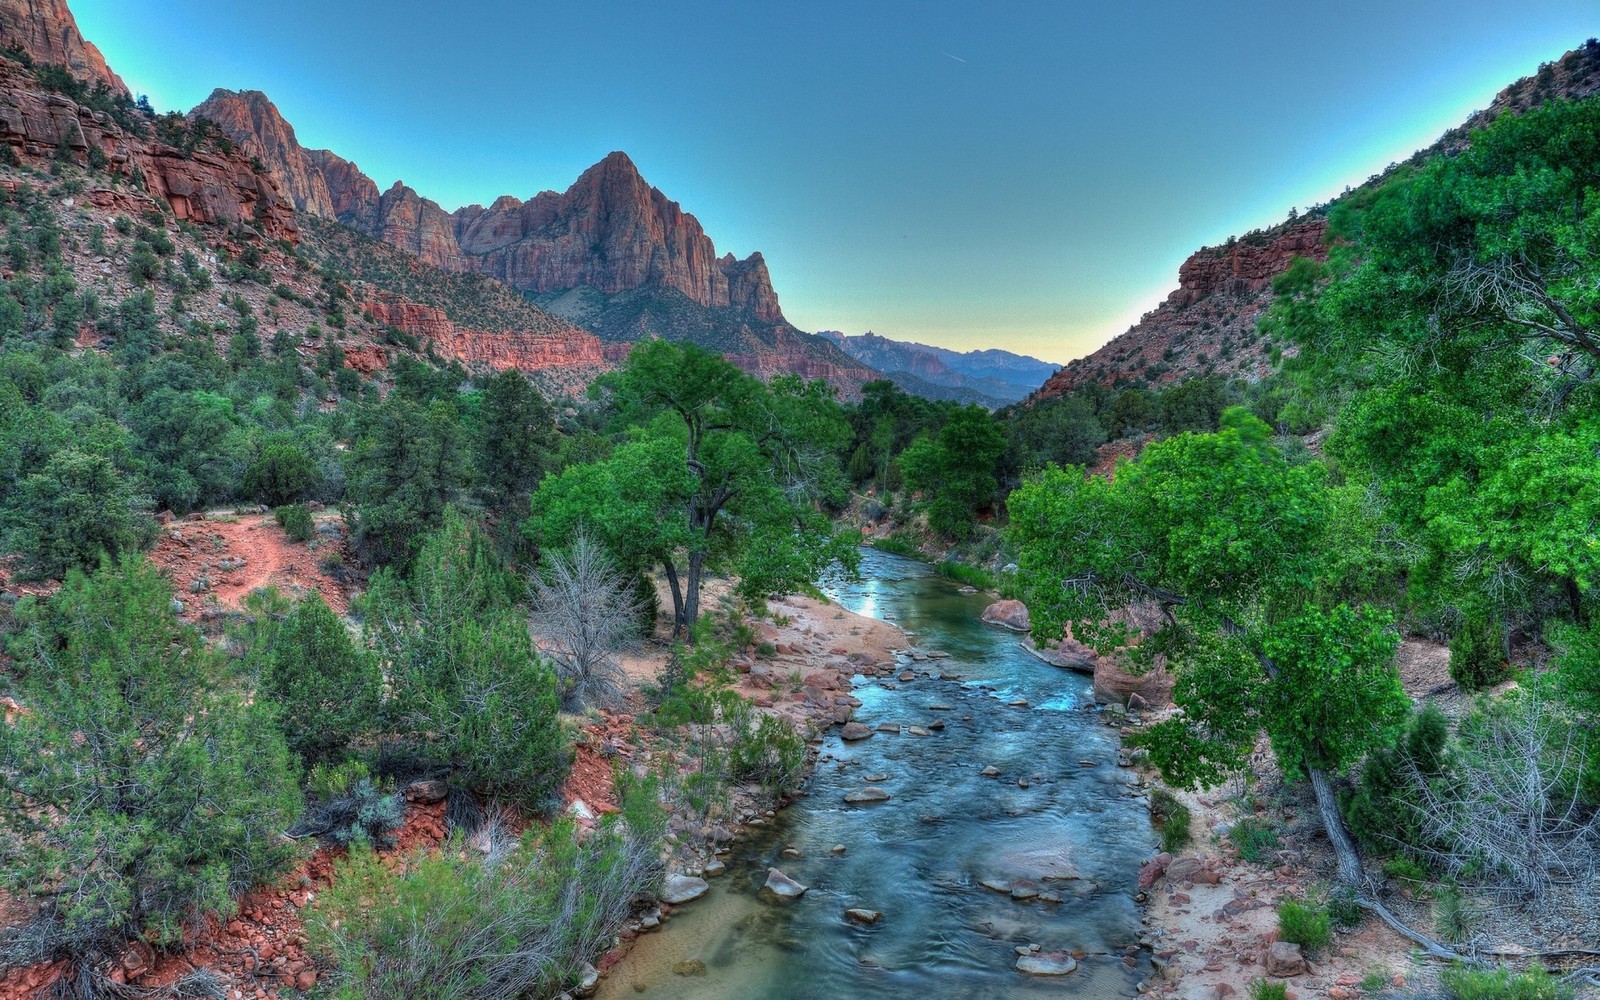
(48, 33)
(261, 131)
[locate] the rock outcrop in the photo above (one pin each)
(48, 33)
(255, 124)
(208, 185)
(354, 196)
(565, 348)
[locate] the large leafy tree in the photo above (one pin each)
(753, 462)
(954, 470)
(1259, 567)
(140, 787)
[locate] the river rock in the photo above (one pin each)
(1008, 614)
(678, 888)
(871, 793)
(713, 868)
(990, 772)
(1047, 963)
(1113, 684)
(588, 981)
(860, 916)
(888, 727)
(783, 886)
(1023, 889)
(853, 731)
(917, 731)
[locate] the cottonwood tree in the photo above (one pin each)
(752, 463)
(585, 611)
(1259, 566)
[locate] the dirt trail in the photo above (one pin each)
(217, 560)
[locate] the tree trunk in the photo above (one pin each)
(691, 603)
(677, 599)
(1344, 849)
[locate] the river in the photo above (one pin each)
(920, 857)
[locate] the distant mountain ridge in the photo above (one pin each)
(611, 253)
(991, 377)
(1208, 324)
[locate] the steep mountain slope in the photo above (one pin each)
(991, 378)
(610, 253)
(1208, 325)
(47, 32)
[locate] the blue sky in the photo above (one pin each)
(1018, 175)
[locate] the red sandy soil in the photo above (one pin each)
(234, 555)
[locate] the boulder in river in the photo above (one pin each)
(1008, 614)
(678, 888)
(1047, 963)
(869, 794)
(860, 916)
(783, 886)
(853, 731)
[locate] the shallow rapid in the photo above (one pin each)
(1076, 829)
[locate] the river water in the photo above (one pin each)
(920, 857)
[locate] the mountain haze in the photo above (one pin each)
(991, 378)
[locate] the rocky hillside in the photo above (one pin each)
(47, 33)
(991, 378)
(611, 253)
(1208, 325)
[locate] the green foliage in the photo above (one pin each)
(468, 692)
(1381, 809)
(295, 520)
(515, 440)
(282, 474)
(768, 752)
(1304, 923)
(1503, 984)
(1173, 818)
(1266, 989)
(1454, 916)
(407, 466)
(68, 515)
(973, 576)
(1477, 657)
(131, 721)
(954, 470)
(458, 926)
(328, 688)
(1255, 839)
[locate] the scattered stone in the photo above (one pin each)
(588, 981)
(679, 888)
(853, 731)
(990, 772)
(791, 852)
(714, 867)
(1023, 889)
(1047, 963)
(783, 886)
(1008, 614)
(1022, 782)
(996, 885)
(888, 727)
(936, 725)
(871, 793)
(917, 731)
(940, 708)
(860, 916)
(836, 849)
(1018, 703)
(1284, 960)
(426, 793)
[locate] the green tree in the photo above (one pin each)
(954, 470)
(753, 463)
(1259, 567)
(72, 512)
(468, 691)
(407, 467)
(516, 438)
(329, 690)
(281, 474)
(141, 788)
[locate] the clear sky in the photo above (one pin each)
(1018, 175)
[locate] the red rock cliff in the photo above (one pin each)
(47, 32)
(254, 123)
(525, 350)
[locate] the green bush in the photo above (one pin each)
(1503, 984)
(456, 925)
(1381, 809)
(68, 515)
(328, 689)
(295, 520)
(1305, 923)
(1264, 989)
(1254, 838)
(767, 751)
(281, 474)
(142, 788)
(1477, 655)
(1174, 819)
(973, 576)
(1454, 917)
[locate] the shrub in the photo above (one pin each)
(281, 474)
(1454, 917)
(111, 858)
(1254, 839)
(1503, 984)
(77, 509)
(295, 520)
(1263, 989)
(1381, 810)
(351, 809)
(768, 752)
(329, 690)
(1477, 658)
(1305, 923)
(455, 925)
(1174, 819)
